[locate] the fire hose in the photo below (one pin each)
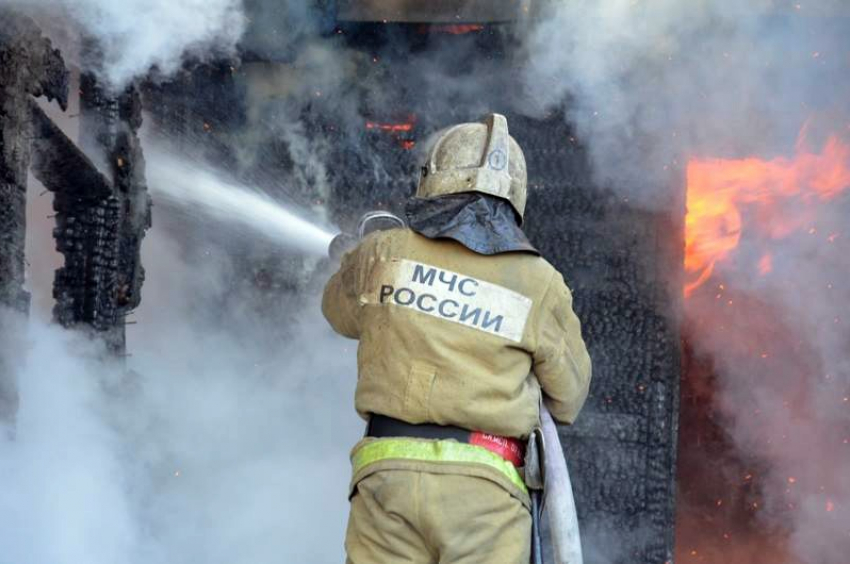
(548, 481)
(560, 505)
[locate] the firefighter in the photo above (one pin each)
(463, 329)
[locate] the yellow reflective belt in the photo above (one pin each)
(433, 451)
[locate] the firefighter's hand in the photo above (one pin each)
(340, 245)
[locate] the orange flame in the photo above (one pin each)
(393, 127)
(780, 194)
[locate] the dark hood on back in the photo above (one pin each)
(481, 223)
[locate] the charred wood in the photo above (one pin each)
(29, 66)
(60, 165)
(101, 224)
(621, 263)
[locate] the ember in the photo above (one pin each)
(396, 127)
(399, 130)
(755, 362)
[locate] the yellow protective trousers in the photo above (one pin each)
(435, 502)
(419, 517)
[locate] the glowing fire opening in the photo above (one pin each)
(392, 127)
(397, 130)
(721, 192)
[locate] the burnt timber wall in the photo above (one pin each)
(624, 267)
(29, 67)
(100, 231)
(101, 219)
(623, 263)
(617, 260)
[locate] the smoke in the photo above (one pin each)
(222, 437)
(650, 84)
(217, 442)
(254, 427)
(176, 181)
(63, 472)
(136, 36)
(778, 343)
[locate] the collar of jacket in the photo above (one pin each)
(481, 223)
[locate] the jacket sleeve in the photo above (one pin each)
(561, 362)
(339, 301)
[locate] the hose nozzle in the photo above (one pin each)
(378, 221)
(370, 222)
(340, 245)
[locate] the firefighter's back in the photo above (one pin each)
(463, 329)
(448, 334)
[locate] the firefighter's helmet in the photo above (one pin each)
(476, 157)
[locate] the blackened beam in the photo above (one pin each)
(60, 165)
(29, 66)
(36, 67)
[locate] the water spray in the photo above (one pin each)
(179, 182)
(187, 185)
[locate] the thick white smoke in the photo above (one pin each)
(244, 441)
(649, 84)
(217, 443)
(66, 491)
(138, 35)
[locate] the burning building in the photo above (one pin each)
(326, 109)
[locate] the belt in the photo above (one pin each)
(510, 449)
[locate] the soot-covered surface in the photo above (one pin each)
(29, 66)
(100, 225)
(621, 452)
(620, 261)
(100, 222)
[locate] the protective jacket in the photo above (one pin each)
(453, 337)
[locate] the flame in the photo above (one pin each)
(781, 195)
(398, 130)
(392, 127)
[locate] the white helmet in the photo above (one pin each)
(476, 157)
